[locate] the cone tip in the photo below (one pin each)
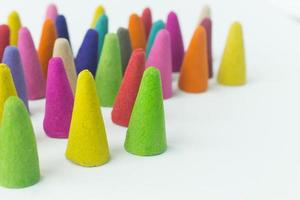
(150, 71)
(13, 102)
(84, 74)
(14, 14)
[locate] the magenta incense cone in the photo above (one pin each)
(177, 47)
(207, 24)
(59, 101)
(34, 79)
(51, 12)
(160, 57)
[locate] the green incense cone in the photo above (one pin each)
(19, 163)
(109, 72)
(146, 134)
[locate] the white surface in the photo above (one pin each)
(229, 143)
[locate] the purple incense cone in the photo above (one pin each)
(207, 24)
(160, 57)
(11, 57)
(34, 79)
(177, 47)
(87, 56)
(59, 101)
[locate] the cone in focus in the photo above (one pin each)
(87, 144)
(146, 134)
(59, 101)
(19, 166)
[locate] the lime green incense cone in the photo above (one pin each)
(19, 163)
(146, 134)
(109, 72)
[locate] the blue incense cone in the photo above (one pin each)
(102, 29)
(87, 56)
(62, 27)
(11, 57)
(156, 27)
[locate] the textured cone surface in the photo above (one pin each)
(62, 49)
(4, 39)
(109, 74)
(146, 134)
(207, 24)
(129, 88)
(35, 82)
(157, 26)
(7, 86)
(51, 12)
(47, 41)
(87, 144)
(161, 58)
(125, 47)
(194, 71)
(87, 56)
(13, 60)
(233, 66)
(59, 101)
(147, 21)
(97, 14)
(177, 47)
(62, 27)
(19, 166)
(102, 29)
(136, 32)
(14, 24)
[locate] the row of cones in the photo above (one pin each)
(120, 70)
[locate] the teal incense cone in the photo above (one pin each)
(146, 134)
(102, 29)
(19, 165)
(156, 27)
(109, 72)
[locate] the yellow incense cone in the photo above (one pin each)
(87, 144)
(232, 70)
(98, 12)
(14, 23)
(7, 86)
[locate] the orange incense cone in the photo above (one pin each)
(194, 70)
(136, 32)
(47, 41)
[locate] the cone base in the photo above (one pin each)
(36, 98)
(86, 164)
(190, 90)
(20, 185)
(119, 121)
(143, 153)
(56, 134)
(231, 84)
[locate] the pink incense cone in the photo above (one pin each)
(207, 24)
(59, 100)
(35, 83)
(177, 48)
(129, 88)
(161, 58)
(51, 12)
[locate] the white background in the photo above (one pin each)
(235, 143)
